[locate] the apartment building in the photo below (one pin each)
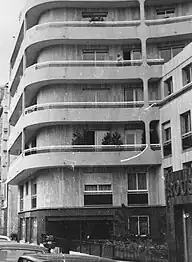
(85, 116)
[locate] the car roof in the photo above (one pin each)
(65, 257)
(15, 245)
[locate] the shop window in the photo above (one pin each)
(33, 235)
(33, 194)
(165, 12)
(95, 54)
(168, 86)
(187, 74)
(166, 135)
(138, 225)
(137, 189)
(98, 194)
(186, 132)
(21, 192)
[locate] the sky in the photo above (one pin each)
(9, 26)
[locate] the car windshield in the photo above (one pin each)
(12, 255)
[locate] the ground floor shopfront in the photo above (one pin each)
(179, 215)
(71, 227)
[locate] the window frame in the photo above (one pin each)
(138, 191)
(187, 73)
(167, 143)
(33, 195)
(170, 49)
(138, 225)
(165, 12)
(98, 192)
(21, 197)
(94, 52)
(186, 130)
(168, 84)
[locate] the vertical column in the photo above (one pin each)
(23, 102)
(23, 141)
(142, 10)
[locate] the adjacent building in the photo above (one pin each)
(91, 99)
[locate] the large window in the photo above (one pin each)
(187, 74)
(33, 235)
(21, 191)
(133, 94)
(133, 137)
(132, 54)
(137, 189)
(166, 135)
(95, 54)
(98, 194)
(94, 16)
(167, 53)
(186, 132)
(168, 86)
(138, 225)
(33, 194)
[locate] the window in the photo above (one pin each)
(137, 189)
(33, 194)
(167, 53)
(187, 74)
(21, 189)
(94, 16)
(131, 54)
(98, 194)
(168, 86)
(27, 188)
(139, 225)
(95, 54)
(165, 12)
(33, 235)
(166, 135)
(99, 135)
(133, 94)
(187, 165)
(133, 137)
(186, 134)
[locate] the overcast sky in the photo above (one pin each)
(9, 23)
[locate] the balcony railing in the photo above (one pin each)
(169, 20)
(87, 24)
(58, 105)
(102, 63)
(83, 148)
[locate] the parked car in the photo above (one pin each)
(62, 258)
(11, 251)
(4, 238)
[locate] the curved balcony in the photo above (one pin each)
(169, 26)
(40, 115)
(93, 71)
(78, 156)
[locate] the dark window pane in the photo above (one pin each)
(165, 54)
(89, 56)
(167, 149)
(187, 142)
(34, 202)
(132, 184)
(142, 181)
(90, 187)
(138, 199)
(93, 200)
(143, 226)
(133, 225)
(176, 50)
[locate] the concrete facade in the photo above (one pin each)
(65, 78)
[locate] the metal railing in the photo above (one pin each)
(169, 20)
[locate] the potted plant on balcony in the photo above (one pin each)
(112, 139)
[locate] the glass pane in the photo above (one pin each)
(132, 185)
(165, 54)
(92, 200)
(137, 199)
(136, 55)
(89, 56)
(133, 225)
(101, 55)
(129, 94)
(104, 187)
(142, 181)
(176, 50)
(90, 187)
(143, 226)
